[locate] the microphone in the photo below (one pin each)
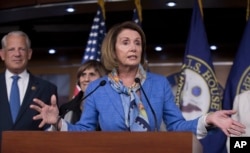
(73, 105)
(137, 80)
(102, 83)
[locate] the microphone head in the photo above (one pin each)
(137, 80)
(102, 83)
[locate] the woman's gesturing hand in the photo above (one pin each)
(223, 120)
(47, 113)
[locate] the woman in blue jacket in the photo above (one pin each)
(131, 98)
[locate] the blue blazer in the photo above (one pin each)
(105, 106)
(37, 88)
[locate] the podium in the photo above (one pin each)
(99, 142)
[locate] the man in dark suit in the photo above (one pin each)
(16, 52)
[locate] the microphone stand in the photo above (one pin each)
(137, 80)
(102, 83)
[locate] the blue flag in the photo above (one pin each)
(137, 12)
(136, 18)
(239, 77)
(96, 36)
(198, 91)
(173, 80)
(237, 90)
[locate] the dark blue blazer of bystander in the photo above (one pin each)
(37, 88)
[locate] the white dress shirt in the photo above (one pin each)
(22, 83)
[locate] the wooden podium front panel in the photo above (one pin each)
(99, 142)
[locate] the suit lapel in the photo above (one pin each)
(148, 90)
(147, 87)
(3, 92)
(30, 93)
(116, 103)
(5, 114)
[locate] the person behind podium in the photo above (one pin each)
(15, 53)
(133, 99)
(86, 73)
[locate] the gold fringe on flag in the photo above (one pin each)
(247, 11)
(201, 7)
(139, 9)
(101, 3)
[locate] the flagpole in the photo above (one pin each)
(139, 9)
(247, 11)
(102, 5)
(201, 7)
